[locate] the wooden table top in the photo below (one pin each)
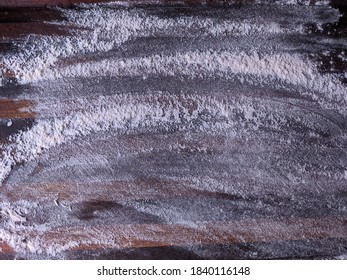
(173, 131)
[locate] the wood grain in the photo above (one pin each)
(38, 3)
(12, 109)
(5, 248)
(154, 235)
(165, 188)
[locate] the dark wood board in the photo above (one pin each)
(245, 166)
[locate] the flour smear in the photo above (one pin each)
(245, 50)
(102, 29)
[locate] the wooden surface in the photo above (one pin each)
(39, 3)
(170, 193)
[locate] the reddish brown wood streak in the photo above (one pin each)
(5, 248)
(12, 109)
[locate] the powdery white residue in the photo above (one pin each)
(36, 242)
(341, 257)
(23, 238)
(12, 230)
(295, 2)
(33, 239)
(105, 29)
(126, 23)
(281, 2)
(290, 69)
(119, 114)
(13, 214)
(301, 2)
(100, 29)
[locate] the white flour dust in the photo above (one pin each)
(268, 69)
(105, 114)
(108, 29)
(103, 28)
(234, 52)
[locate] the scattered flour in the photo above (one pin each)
(103, 28)
(281, 2)
(15, 233)
(290, 69)
(105, 114)
(106, 29)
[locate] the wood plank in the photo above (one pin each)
(20, 30)
(38, 3)
(147, 235)
(274, 173)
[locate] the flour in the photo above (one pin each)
(101, 29)
(268, 69)
(122, 112)
(15, 233)
(281, 2)
(248, 50)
